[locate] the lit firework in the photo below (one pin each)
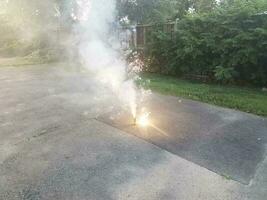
(142, 120)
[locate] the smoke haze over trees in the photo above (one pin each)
(225, 39)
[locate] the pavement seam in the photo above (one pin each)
(148, 142)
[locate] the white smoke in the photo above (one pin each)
(99, 50)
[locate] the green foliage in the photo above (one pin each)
(224, 75)
(231, 37)
(155, 11)
(152, 11)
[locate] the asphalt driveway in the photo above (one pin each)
(56, 143)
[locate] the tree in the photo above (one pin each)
(27, 24)
(203, 6)
(152, 11)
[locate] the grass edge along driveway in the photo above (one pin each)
(250, 100)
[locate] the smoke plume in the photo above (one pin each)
(99, 50)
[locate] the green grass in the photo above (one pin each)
(226, 177)
(250, 100)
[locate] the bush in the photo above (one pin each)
(224, 75)
(236, 40)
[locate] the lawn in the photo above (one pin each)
(250, 100)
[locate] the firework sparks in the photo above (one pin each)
(143, 120)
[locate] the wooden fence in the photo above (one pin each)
(143, 32)
(138, 36)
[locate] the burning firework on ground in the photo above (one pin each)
(142, 119)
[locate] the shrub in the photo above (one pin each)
(235, 40)
(224, 75)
